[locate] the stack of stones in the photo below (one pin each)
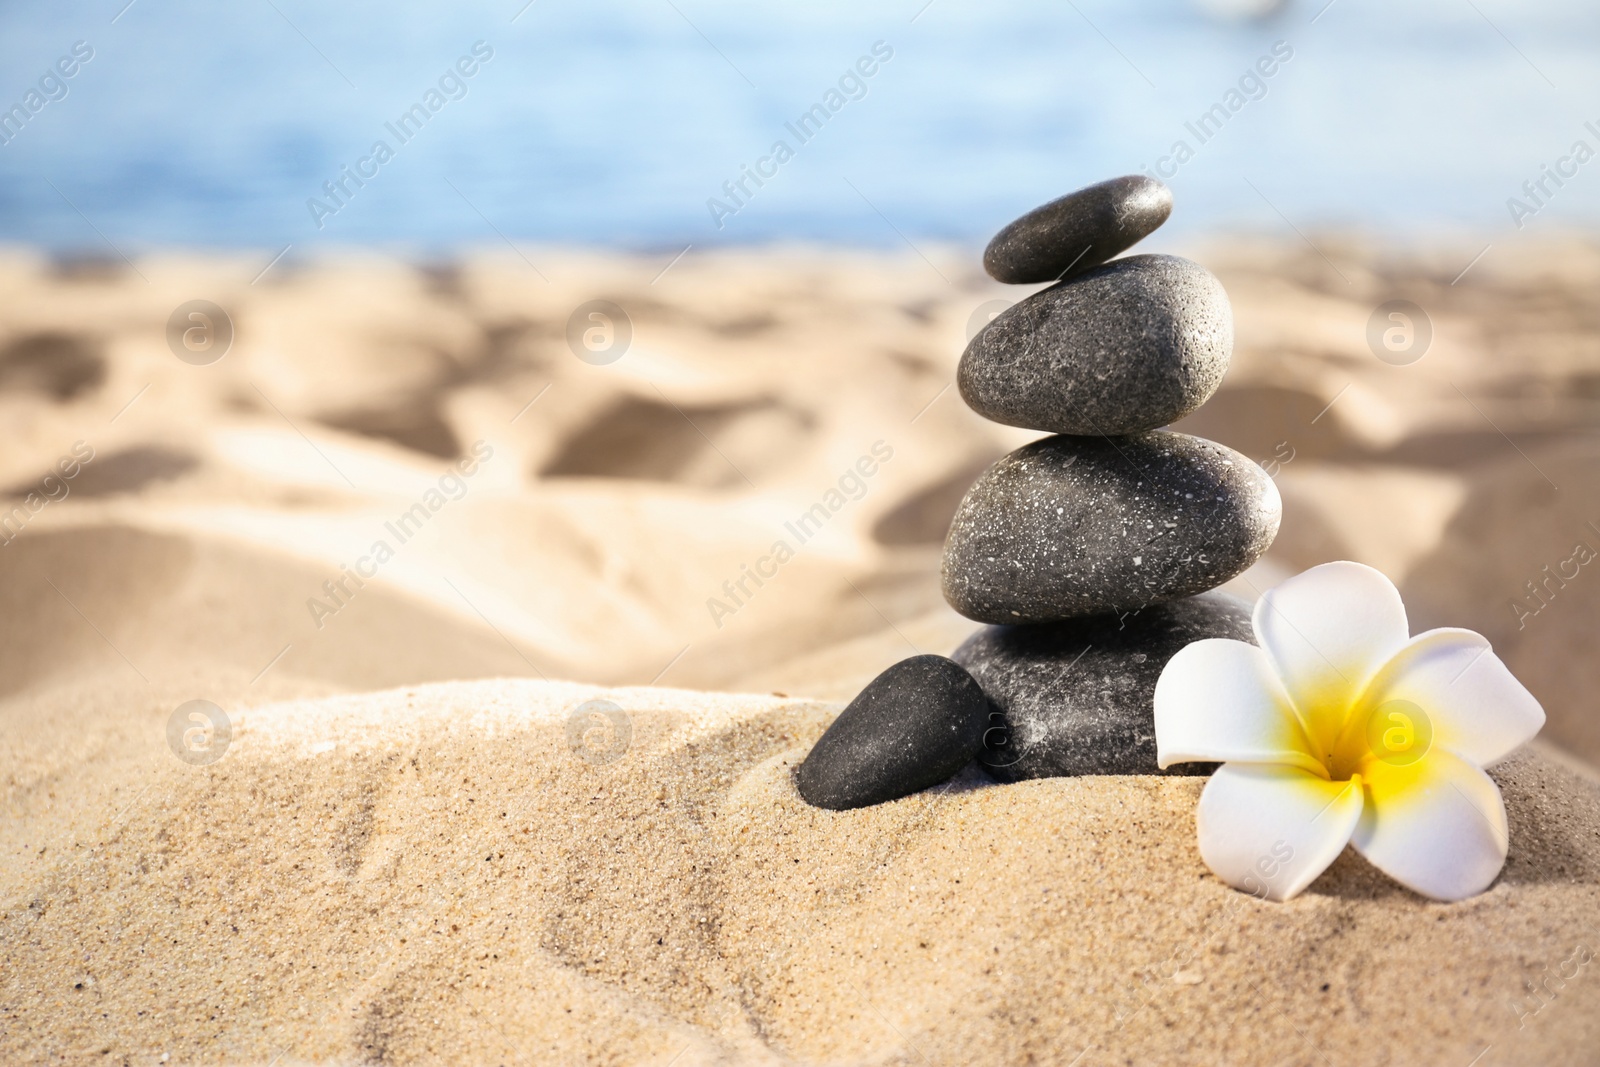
(1094, 553)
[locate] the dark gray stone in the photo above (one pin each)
(1078, 231)
(914, 726)
(1130, 346)
(1072, 526)
(1076, 697)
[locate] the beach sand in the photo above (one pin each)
(412, 851)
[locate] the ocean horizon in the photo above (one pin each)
(655, 124)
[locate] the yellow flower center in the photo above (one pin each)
(1347, 737)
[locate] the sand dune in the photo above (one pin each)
(438, 873)
(343, 885)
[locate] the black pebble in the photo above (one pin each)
(1074, 526)
(914, 726)
(1076, 697)
(1131, 346)
(1078, 231)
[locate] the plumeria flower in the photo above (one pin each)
(1341, 728)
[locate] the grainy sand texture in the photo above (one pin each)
(519, 792)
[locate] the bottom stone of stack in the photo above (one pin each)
(1076, 697)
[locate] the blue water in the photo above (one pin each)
(615, 121)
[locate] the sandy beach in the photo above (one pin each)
(402, 534)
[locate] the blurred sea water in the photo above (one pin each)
(656, 123)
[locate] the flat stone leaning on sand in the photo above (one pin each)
(1076, 232)
(913, 726)
(1130, 346)
(1072, 526)
(1076, 697)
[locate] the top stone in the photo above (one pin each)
(1078, 231)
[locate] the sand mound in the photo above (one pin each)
(451, 873)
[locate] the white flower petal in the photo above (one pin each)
(1271, 830)
(1328, 630)
(1220, 700)
(1436, 826)
(1476, 708)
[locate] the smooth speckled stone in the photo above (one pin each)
(1078, 231)
(1130, 346)
(914, 726)
(1077, 697)
(1072, 526)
